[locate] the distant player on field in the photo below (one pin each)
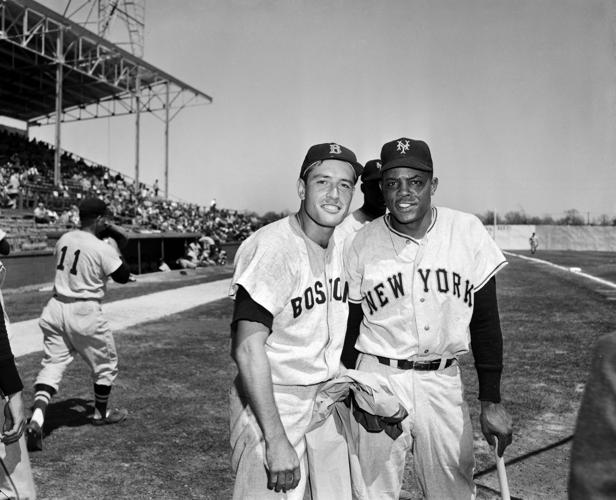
(420, 278)
(73, 320)
(287, 334)
(534, 243)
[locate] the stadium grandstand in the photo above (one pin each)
(54, 70)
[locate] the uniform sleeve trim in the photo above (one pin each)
(487, 278)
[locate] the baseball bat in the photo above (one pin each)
(502, 473)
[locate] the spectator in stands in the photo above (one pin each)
(12, 188)
(40, 214)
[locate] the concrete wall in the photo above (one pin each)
(515, 237)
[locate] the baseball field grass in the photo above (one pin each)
(175, 373)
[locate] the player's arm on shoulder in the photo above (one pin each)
(248, 351)
(487, 347)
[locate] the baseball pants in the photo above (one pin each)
(437, 431)
(329, 479)
(15, 473)
(77, 326)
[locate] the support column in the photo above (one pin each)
(59, 77)
(137, 126)
(167, 141)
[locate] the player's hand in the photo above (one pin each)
(496, 422)
(14, 419)
(282, 465)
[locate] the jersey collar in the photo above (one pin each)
(406, 236)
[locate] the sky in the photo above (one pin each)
(516, 98)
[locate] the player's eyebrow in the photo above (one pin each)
(411, 177)
(327, 176)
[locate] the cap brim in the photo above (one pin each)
(357, 167)
(406, 162)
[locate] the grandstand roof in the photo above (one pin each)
(99, 78)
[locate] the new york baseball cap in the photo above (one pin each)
(372, 171)
(330, 151)
(405, 152)
(92, 207)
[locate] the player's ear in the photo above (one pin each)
(433, 185)
(301, 189)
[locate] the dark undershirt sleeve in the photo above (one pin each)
(487, 342)
(349, 353)
(247, 309)
(10, 382)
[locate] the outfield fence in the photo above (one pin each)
(515, 237)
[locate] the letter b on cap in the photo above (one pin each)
(334, 149)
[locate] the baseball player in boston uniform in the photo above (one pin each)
(418, 278)
(72, 320)
(288, 330)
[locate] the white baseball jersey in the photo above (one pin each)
(83, 265)
(351, 224)
(417, 295)
(301, 285)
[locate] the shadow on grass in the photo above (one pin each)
(72, 412)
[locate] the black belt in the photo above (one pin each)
(405, 364)
(69, 300)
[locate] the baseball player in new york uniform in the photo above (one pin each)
(288, 330)
(72, 320)
(418, 278)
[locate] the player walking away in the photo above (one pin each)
(15, 474)
(534, 243)
(287, 334)
(593, 453)
(72, 320)
(419, 277)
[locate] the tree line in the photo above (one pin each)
(570, 217)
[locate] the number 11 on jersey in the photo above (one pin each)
(60, 265)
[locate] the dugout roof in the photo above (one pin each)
(99, 79)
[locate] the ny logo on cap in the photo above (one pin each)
(334, 149)
(403, 147)
(379, 165)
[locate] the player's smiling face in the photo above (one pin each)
(326, 192)
(408, 196)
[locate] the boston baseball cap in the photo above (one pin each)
(372, 171)
(330, 151)
(405, 152)
(92, 207)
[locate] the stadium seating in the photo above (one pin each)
(26, 179)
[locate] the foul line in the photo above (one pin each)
(563, 268)
(26, 336)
